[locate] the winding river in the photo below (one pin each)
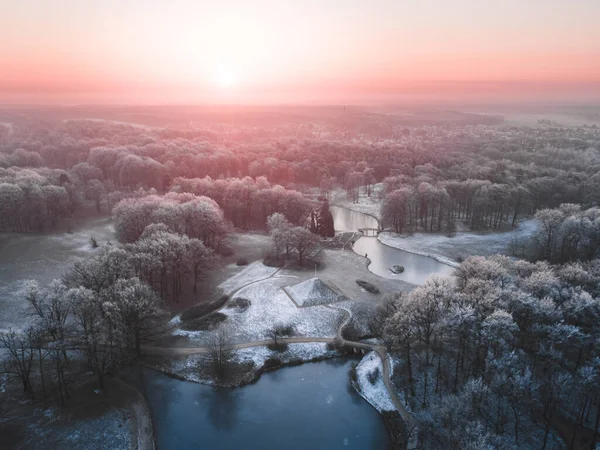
(312, 406)
(416, 267)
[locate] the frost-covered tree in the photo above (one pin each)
(277, 226)
(98, 325)
(304, 243)
(220, 350)
(95, 190)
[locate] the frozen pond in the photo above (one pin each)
(308, 406)
(417, 268)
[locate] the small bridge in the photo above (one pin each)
(369, 231)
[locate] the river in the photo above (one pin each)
(417, 268)
(312, 406)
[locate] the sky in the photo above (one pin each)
(340, 51)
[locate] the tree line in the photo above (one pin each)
(485, 177)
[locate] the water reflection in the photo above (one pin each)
(348, 220)
(308, 406)
(222, 405)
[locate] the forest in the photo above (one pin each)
(502, 355)
(505, 354)
(434, 176)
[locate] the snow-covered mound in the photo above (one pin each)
(314, 291)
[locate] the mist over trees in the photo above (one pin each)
(433, 174)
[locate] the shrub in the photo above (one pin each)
(225, 251)
(239, 303)
(204, 323)
(278, 347)
(204, 308)
(372, 376)
(367, 286)
(285, 330)
(242, 262)
(351, 333)
(273, 261)
(272, 363)
(332, 345)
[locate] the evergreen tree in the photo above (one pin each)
(325, 226)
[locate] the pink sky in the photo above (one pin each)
(297, 51)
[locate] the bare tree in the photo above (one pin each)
(220, 350)
(20, 355)
(276, 332)
(140, 311)
(303, 242)
(98, 324)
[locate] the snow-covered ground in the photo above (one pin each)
(375, 393)
(449, 249)
(42, 257)
(313, 291)
(50, 428)
(367, 205)
(190, 367)
(254, 272)
(271, 306)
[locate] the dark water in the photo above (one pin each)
(310, 407)
(417, 268)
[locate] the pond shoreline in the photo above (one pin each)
(248, 378)
(392, 419)
(329, 413)
(439, 258)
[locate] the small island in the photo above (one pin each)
(397, 269)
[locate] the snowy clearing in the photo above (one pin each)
(314, 291)
(42, 257)
(254, 272)
(271, 306)
(375, 393)
(448, 250)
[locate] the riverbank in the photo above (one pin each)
(248, 364)
(452, 250)
(370, 206)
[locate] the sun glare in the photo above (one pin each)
(225, 77)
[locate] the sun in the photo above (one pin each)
(225, 77)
